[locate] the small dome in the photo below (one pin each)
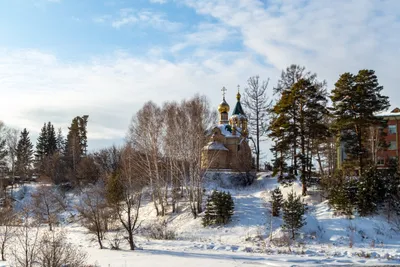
(238, 96)
(223, 107)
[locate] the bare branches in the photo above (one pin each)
(47, 205)
(257, 104)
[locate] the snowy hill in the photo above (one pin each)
(325, 239)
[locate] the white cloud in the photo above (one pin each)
(38, 87)
(328, 37)
(158, 1)
(143, 18)
(206, 35)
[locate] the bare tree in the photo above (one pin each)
(47, 204)
(128, 206)
(7, 229)
(3, 162)
(27, 243)
(198, 119)
(94, 211)
(12, 143)
(257, 103)
(56, 252)
(146, 136)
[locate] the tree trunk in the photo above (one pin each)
(360, 153)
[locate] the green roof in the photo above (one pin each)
(238, 110)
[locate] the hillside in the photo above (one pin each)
(245, 240)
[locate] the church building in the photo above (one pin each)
(228, 148)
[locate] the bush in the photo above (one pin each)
(160, 231)
(219, 209)
(293, 211)
(276, 203)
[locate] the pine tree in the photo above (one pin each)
(342, 193)
(277, 201)
(24, 153)
(114, 189)
(392, 189)
(285, 130)
(73, 148)
(3, 151)
(293, 212)
(60, 142)
(76, 143)
(51, 143)
(41, 145)
(297, 123)
(356, 99)
(371, 192)
(219, 209)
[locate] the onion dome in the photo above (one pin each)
(223, 107)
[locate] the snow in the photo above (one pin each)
(215, 146)
(226, 132)
(324, 240)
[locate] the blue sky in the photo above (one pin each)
(105, 58)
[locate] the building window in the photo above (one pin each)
(380, 161)
(393, 160)
(392, 129)
(392, 145)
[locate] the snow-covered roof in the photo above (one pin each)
(227, 132)
(394, 113)
(215, 146)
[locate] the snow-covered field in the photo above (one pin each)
(325, 240)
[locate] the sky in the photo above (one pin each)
(106, 58)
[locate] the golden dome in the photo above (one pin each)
(223, 107)
(238, 96)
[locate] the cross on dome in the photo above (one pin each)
(223, 91)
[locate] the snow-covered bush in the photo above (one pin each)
(160, 231)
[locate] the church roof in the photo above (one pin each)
(238, 110)
(215, 146)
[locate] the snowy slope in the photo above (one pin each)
(325, 240)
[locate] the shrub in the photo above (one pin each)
(293, 211)
(219, 209)
(277, 200)
(161, 231)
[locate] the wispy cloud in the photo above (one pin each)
(206, 35)
(158, 1)
(328, 37)
(142, 18)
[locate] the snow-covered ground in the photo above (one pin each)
(325, 240)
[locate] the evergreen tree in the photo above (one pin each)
(356, 99)
(24, 153)
(293, 212)
(51, 143)
(342, 193)
(298, 123)
(219, 209)
(114, 189)
(392, 189)
(371, 192)
(73, 147)
(277, 201)
(41, 145)
(285, 127)
(60, 142)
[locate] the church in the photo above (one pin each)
(228, 148)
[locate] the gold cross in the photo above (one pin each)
(238, 88)
(223, 91)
